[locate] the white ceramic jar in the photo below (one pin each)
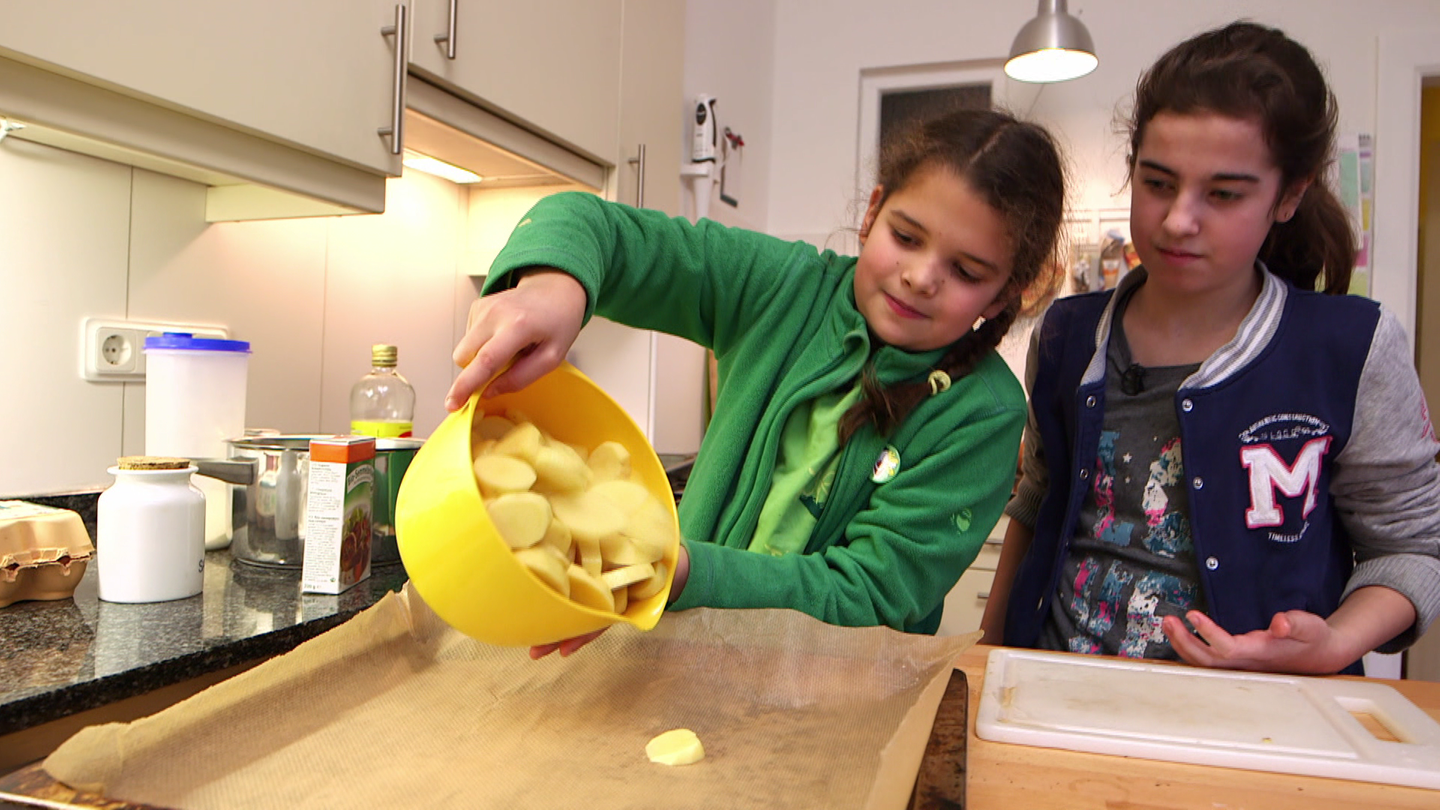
(150, 532)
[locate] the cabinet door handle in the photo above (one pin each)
(396, 131)
(639, 163)
(983, 595)
(449, 36)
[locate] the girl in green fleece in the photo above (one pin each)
(865, 432)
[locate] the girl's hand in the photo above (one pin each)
(1296, 641)
(566, 647)
(532, 325)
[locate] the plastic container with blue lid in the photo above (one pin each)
(186, 340)
(194, 401)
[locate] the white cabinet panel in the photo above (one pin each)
(316, 74)
(552, 65)
(65, 252)
(965, 604)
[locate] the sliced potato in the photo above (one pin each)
(626, 495)
(558, 538)
(675, 747)
(587, 553)
(620, 578)
(522, 518)
(589, 590)
(610, 461)
(523, 442)
(651, 529)
(574, 516)
(481, 447)
(651, 586)
(491, 427)
(619, 550)
(543, 563)
(558, 468)
(587, 515)
(498, 475)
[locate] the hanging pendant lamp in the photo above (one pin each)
(1053, 47)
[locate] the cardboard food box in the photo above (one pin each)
(339, 514)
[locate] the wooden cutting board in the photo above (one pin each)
(1262, 722)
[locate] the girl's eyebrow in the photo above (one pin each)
(914, 223)
(1223, 177)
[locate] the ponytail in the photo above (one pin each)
(1316, 243)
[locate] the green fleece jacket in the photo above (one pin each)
(782, 322)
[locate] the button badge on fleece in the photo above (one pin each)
(886, 465)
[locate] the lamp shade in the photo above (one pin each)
(1052, 47)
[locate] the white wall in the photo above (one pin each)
(729, 54)
(821, 47)
(86, 237)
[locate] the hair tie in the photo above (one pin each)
(939, 381)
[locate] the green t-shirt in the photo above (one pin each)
(809, 447)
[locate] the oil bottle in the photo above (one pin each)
(382, 403)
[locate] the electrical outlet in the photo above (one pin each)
(114, 350)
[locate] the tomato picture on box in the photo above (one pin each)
(340, 513)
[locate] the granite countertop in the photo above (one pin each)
(66, 656)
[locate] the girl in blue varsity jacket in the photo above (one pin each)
(1222, 464)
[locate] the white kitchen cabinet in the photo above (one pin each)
(965, 604)
(290, 81)
(552, 66)
(659, 379)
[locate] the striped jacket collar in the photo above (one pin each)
(1250, 339)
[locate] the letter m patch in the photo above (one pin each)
(1269, 473)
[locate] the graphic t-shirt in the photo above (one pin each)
(1131, 562)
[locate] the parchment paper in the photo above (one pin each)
(395, 709)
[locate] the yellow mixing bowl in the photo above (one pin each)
(457, 560)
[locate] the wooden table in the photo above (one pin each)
(1008, 776)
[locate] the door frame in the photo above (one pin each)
(1405, 58)
(875, 82)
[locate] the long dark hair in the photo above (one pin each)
(1249, 71)
(1016, 168)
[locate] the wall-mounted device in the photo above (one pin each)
(706, 136)
(704, 143)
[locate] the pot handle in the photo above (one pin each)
(229, 471)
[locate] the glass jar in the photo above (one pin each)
(150, 532)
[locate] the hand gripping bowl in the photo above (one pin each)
(457, 560)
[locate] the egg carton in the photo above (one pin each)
(43, 552)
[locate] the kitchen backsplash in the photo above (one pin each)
(86, 237)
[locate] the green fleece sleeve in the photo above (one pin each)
(903, 551)
(645, 269)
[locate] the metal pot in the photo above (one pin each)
(272, 473)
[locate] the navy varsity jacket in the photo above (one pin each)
(1261, 423)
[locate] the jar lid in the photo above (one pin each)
(186, 340)
(151, 463)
